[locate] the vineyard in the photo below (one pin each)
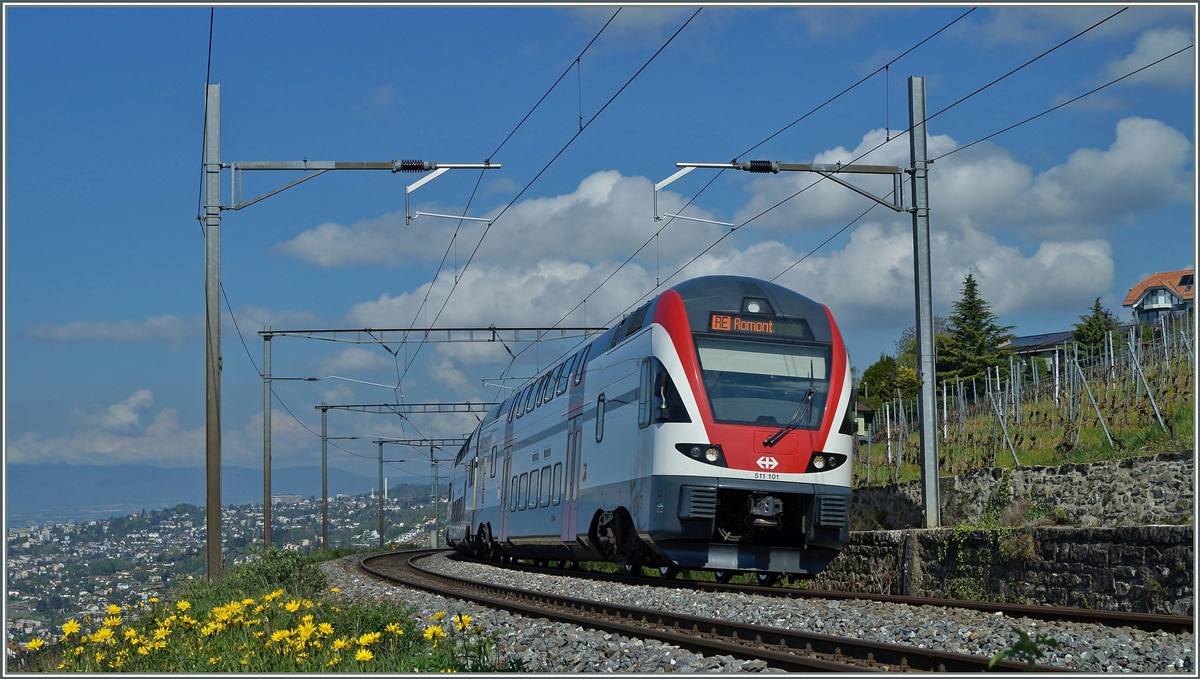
(1132, 394)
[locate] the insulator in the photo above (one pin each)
(761, 166)
(414, 166)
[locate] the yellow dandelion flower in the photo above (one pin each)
(280, 635)
(439, 615)
(325, 629)
(245, 661)
(306, 630)
(153, 599)
(142, 650)
(369, 638)
(292, 606)
(130, 633)
(102, 635)
(273, 595)
(307, 603)
(333, 661)
(183, 605)
(363, 655)
(301, 656)
(339, 644)
(335, 590)
(162, 633)
(112, 609)
(99, 656)
(78, 651)
(435, 632)
(306, 618)
(462, 621)
(212, 660)
(159, 645)
(112, 621)
(70, 627)
(247, 601)
(35, 644)
(393, 627)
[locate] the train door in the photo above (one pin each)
(505, 490)
(570, 507)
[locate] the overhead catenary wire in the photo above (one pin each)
(859, 157)
(1069, 101)
(752, 148)
(540, 173)
(479, 179)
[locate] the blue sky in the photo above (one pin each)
(104, 257)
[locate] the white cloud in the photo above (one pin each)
(1178, 71)
(1036, 26)
(116, 436)
(1146, 167)
(170, 328)
(607, 215)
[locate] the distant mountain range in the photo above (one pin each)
(55, 493)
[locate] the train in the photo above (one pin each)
(710, 429)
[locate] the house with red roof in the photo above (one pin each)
(1163, 293)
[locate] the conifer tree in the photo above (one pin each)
(972, 335)
(1093, 326)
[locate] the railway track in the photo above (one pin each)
(1149, 622)
(785, 649)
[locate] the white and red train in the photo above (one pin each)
(712, 428)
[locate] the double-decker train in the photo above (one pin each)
(712, 428)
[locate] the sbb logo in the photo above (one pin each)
(767, 462)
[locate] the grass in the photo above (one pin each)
(1036, 440)
(274, 614)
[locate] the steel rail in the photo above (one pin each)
(1148, 622)
(786, 649)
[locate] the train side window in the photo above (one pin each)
(544, 494)
(599, 418)
(543, 389)
(532, 491)
(546, 453)
(492, 463)
(524, 406)
(556, 484)
(581, 364)
(522, 490)
(516, 404)
(552, 387)
(565, 378)
(512, 495)
(644, 390)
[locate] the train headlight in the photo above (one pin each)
(708, 453)
(823, 462)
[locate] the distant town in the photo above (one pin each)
(59, 571)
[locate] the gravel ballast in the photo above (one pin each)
(555, 647)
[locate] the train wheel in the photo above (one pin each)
(723, 577)
(668, 572)
(767, 579)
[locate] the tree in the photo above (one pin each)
(972, 337)
(906, 346)
(878, 382)
(1094, 326)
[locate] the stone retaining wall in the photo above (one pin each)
(1135, 491)
(1146, 569)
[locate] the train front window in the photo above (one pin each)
(765, 383)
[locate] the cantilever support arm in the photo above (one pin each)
(439, 170)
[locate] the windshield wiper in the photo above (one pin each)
(795, 421)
